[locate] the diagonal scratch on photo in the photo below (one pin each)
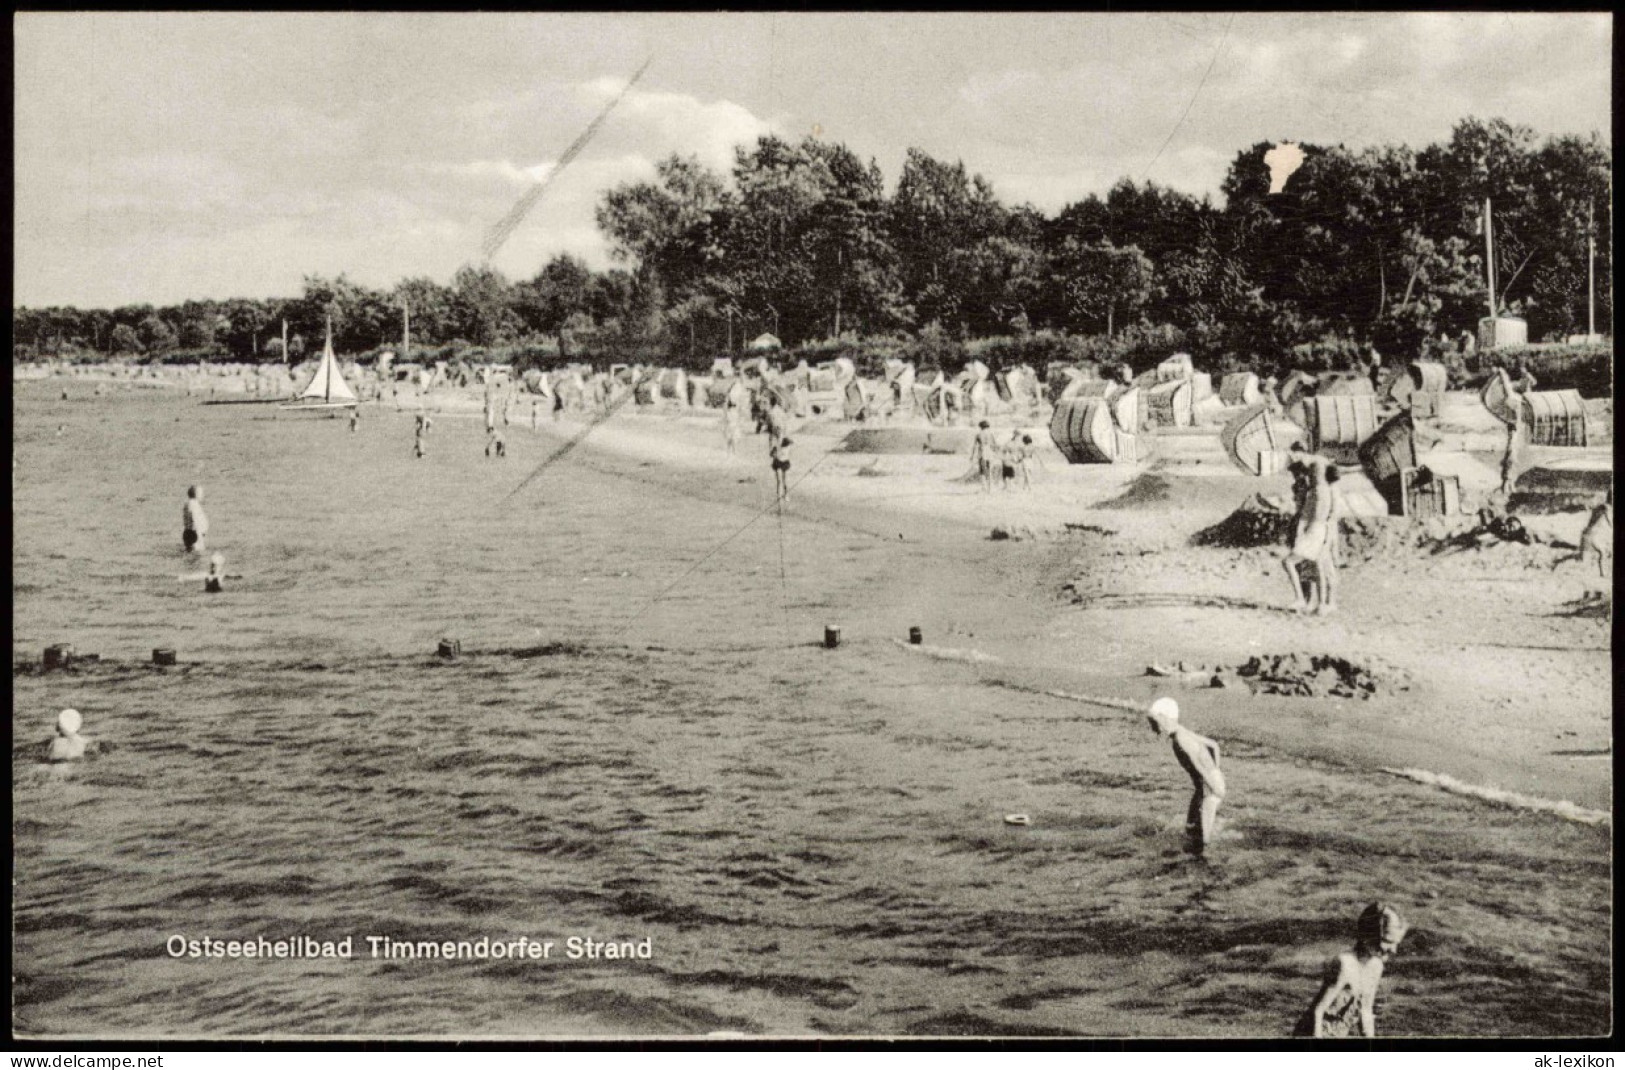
(736, 526)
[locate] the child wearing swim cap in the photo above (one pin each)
(68, 745)
(1199, 757)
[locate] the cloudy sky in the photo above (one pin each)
(161, 157)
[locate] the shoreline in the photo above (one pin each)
(1441, 723)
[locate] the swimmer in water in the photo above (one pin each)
(213, 578)
(355, 419)
(194, 521)
(1346, 1005)
(1199, 756)
(67, 745)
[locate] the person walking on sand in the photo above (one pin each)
(779, 455)
(1025, 462)
(419, 434)
(1311, 531)
(1510, 455)
(1199, 757)
(730, 426)
(67, 745)
(1346, 1004)
(194, 521)
(982, 451)
(1597, 540)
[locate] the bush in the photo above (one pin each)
(1039, 350)
(933, 347)
(1586, 368)
(1329, 354)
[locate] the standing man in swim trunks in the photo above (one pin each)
(1199, 757)
(982, 452)
(779, 454)
(194, 521)
(1346, 1005)
(1311, 532)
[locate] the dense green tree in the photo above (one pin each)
(124, 341)
(428, 306)
(482, 306)
(156, 335)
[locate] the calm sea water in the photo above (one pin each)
(645, 740)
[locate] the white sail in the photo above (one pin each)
(327, 384)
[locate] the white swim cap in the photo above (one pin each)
(1166, 708)
(69, 721)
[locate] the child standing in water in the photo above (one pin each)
(1199, 757)
(1346, 1005)
(213, 577)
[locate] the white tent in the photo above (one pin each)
(765, 341)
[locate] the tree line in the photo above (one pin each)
(1381, 246)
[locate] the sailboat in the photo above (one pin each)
(327, 388)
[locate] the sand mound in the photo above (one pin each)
(906, 440)
(1259, 522)
(1148, 491)
(1317, 676)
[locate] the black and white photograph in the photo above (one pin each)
(732, 527)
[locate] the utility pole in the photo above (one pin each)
(838, 265)
(406, 332)
(1489, 253)
(286, 357)
(1591, 271)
